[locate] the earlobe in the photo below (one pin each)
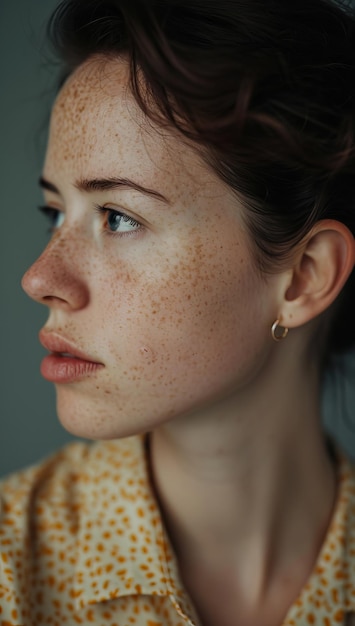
(324, 262)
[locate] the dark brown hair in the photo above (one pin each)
(264, 88)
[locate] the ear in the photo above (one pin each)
(325, 260)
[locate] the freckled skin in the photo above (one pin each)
(175, 311)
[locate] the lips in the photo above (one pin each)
(65, 363)
(62, 347)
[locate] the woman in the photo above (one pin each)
(199, 185)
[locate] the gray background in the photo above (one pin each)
(29, 428)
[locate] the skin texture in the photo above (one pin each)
(175, 311)
(180, 318)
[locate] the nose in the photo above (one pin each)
(55, 279)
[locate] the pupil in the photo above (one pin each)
(114, 220)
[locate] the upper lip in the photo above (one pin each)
(55, 343)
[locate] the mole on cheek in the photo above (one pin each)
(148, 354)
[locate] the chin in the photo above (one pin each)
(89, 419)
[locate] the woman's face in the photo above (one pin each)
(160, 287)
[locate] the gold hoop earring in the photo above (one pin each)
(278, 332)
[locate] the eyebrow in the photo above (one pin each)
(106, 184)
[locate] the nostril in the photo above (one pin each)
(49, 299)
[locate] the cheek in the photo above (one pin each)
(190, 316)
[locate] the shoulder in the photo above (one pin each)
(339, 549)
(45, 502)
(37, 499)
(35, 511)
(47, 516)
(48, 477)
(62, 477)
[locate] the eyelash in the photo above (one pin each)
(101, 210)
(51, 214)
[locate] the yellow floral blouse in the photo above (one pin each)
(82, 542)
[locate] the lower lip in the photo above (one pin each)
(64, 369)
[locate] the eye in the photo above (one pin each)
(117, 221)
(54, 216)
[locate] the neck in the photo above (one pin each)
(248, 485)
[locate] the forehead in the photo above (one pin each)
(94, 108)
(95, 93)
(98, 130)
(96, 124)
